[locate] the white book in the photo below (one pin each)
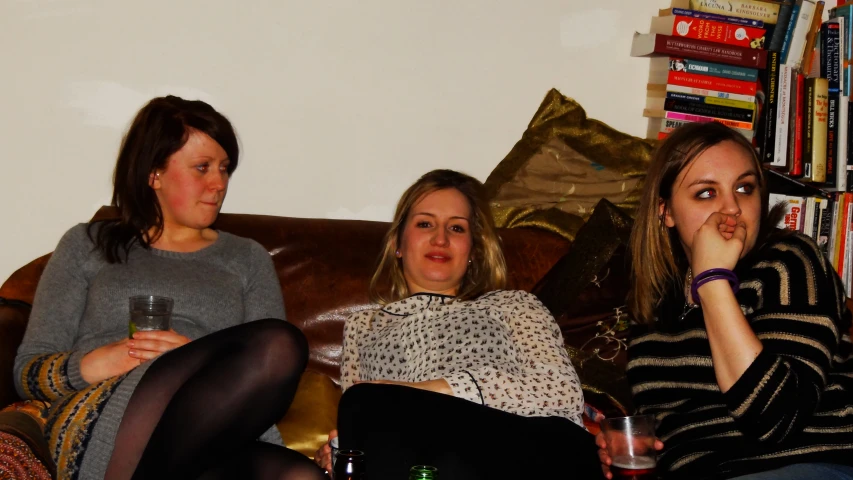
(794, 210)
(783, 117)
(798, 37)
(703, 92)
(808, 217)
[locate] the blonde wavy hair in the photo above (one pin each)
(658, 261)
(487, 270)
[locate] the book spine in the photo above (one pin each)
(751, 9)
(789, 32)
(723, 102)
(718, 18)
(801, 31)
(807, 60)
(831, 138)
(783, 116)
(843, 149)
(819, 130)
(702, 118)
(708, 110)
(767, 123)
(713, 52)
(795, 165)
(825, 225)
(712, 31)
(830, 56)
(699, 67)
(848, 183)
(712, 83)
(704, 92)
(808, 101)
(781, 27)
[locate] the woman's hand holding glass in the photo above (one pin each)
(120, 357)
(604, 456)
(323, 456)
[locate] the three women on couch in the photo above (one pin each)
(186, 403)
(452, 371)
(745, 358)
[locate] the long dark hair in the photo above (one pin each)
(159, 129)
(487, 270)
(658, 261)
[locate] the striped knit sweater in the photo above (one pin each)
(794, 404)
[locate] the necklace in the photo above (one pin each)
(688, 305)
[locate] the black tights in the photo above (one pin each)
(398, 427)
(199, 409)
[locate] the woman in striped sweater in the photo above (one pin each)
(743, 352)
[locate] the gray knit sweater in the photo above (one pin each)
(81, 303)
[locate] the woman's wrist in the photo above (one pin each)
(712, 275)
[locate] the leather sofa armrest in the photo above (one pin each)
(14, 315)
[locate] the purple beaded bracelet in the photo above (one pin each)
(710, 276)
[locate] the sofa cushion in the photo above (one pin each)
(312, 415)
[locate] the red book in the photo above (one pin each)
(727, 85)
(655, 44)
(710, 30)
(796, 167)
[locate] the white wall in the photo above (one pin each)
(339, 105)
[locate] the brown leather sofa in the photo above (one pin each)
(324, 267)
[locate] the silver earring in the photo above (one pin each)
(469, 260)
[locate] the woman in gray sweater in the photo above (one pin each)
(190, 402)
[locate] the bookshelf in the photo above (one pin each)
(779, 72)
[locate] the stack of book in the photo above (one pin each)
(781, 76)
(705, 64)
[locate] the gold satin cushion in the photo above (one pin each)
(313, 413)
(562, 166)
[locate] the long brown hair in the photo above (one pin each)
(159, 129)
(658, 261)
(487, 270)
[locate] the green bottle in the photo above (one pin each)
(423, 472)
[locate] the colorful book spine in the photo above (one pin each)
(723, 102)
(704, 92)
(767, 12)
(645, 44)
(704, 109)
(845, 14)
(698, 118)
(712, 83)
(718, 18)
(814, 134)
(714, 69)
(709, 30)
(795, 145)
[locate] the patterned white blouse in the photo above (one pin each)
(503, 350)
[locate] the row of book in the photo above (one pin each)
(829, 221)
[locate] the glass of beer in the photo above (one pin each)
(631, 446)
(149, 312)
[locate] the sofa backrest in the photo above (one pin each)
(324, 267)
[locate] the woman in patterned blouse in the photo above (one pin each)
(744, 353)
(451, 371)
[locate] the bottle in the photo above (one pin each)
(423, 472)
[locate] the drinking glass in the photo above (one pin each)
(149, 312)
(631, 446)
